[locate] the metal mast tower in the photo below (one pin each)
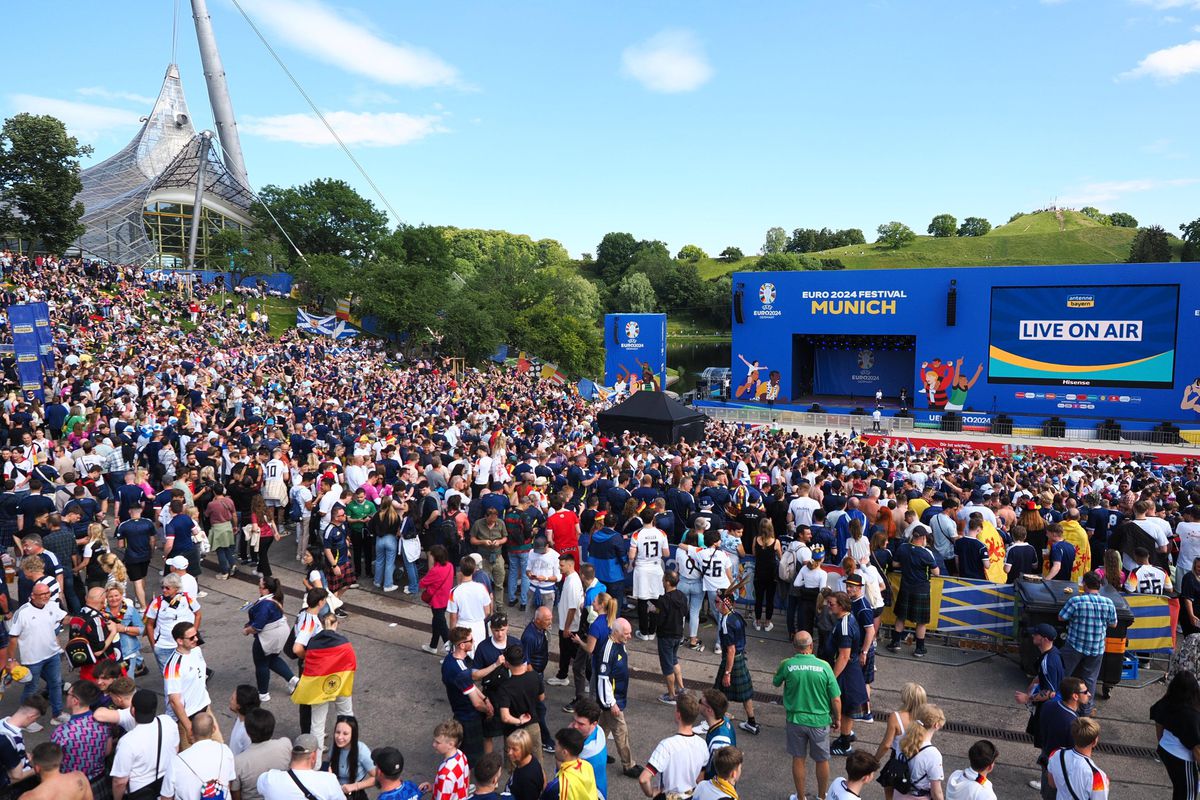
(218, 92)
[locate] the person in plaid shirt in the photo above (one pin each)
(451, 782)
(84, 741)
(1088, 617)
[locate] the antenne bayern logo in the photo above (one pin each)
(766, 293)
(631, 330)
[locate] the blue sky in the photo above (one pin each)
(689, 122)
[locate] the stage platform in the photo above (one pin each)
(1077, 442)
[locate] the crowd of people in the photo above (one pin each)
(176, 430)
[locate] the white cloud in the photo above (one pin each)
(1169, 64)
(322, 33)
(671, 61)
(84, 120)
(1092, 194)
(355, 128)
(110, 94)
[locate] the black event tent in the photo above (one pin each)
(656, 415)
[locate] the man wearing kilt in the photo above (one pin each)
(338, 566)
(733, 678)
(917, 566)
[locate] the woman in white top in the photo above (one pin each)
(912, 697)
(924, 760)
(858, 545)
(647, 549)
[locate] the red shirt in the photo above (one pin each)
(565, 526)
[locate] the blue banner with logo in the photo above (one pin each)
(23, 321)
(635, 347)
(45, 336)
(861, 371)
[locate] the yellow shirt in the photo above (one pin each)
(918, 506)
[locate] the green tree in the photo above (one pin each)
(974, 226)
(731, 254)
(895, 235)
(573, 344)
(405, 298)
(691, 252)
(635, 295)
(1123, 220)
(467, 332)
(943, 226)
(325, 217)
(1149, 245)
(39, 178)
(776, 241)
(778, 262)
(243, 254)
(614, 256)
(1191, 240)
(677, 286)
(1091, 212)
(719, 301)
(576, 295)
(321, 278)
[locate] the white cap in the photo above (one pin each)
(177, 562)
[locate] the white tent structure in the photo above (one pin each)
(138, 204)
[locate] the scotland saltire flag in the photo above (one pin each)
(324, 326)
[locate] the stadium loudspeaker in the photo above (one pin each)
(952, 305)
(737, 306)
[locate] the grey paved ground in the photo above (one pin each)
(399, 697)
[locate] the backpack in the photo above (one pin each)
(445, 533)
(789, 565)
(79, 644)
(897, 773)
(517, 528)
(295, 511)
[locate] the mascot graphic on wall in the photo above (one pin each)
(769, 392)
(944, 385)
(753, 368)
(1191, 397)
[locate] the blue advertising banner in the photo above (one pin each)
(1083, 335)
(635, 349)
(45, 336)
(861, 371)
(22, 320)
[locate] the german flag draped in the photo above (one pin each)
(329, 664)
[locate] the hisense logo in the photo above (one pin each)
(1081, 301)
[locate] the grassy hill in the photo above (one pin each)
(1041, 238)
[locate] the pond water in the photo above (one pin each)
(689, 358)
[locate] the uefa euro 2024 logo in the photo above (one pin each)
(766, 293)
(866, 359)
(631, 330)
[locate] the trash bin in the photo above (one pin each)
(1039, 601)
